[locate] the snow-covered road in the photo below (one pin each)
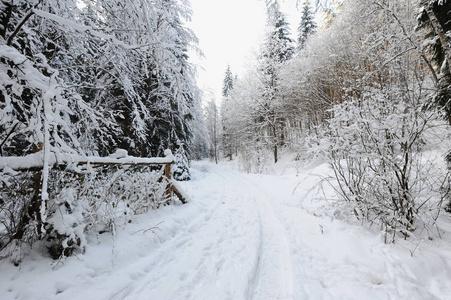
(242, 236)
(235, 249)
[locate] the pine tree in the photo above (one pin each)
(279, 43)
(227, 135)
(175, 81)
(307, 27)
(151, 87)
(181, 169)
(276, 50)
(227, 84)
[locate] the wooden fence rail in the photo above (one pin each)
(34, 162)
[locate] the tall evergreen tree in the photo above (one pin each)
(307, 27)
(227, 84)
(181, 168)
(227, 135)
(276, 50)
(176, 82)
(152, 90)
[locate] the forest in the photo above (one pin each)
(367, 92)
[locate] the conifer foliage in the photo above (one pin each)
(181, 168)
(307, 27)
(228, 137)
(435, 19)
(227, 85)
(276, 50)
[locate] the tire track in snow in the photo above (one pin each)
(273, 277)
(253, 280)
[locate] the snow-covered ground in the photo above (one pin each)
(242, 236)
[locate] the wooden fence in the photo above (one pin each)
(34, 162)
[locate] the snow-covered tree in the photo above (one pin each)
(200, 143)
(153, 88)
(228, 137)
(212, 118)
(272, 6)
(227, 84)
(374, 145)
(181, 167)
(244, 122)
(377, 84)
(435, 19)
(307, 26)
(276, 50)
(40, 110)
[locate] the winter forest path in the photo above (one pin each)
(227, 243)
(236, 249)
(240, 237)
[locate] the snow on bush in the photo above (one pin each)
(375, 146)
(254, 158)
(80, 201)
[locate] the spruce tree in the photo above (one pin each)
(181, 168)
(307, 27)
(276, 50)
(227, 136)
(227, 85)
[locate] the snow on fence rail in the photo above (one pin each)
(35, 162)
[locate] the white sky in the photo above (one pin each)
(228, 31)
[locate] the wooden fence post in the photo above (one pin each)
(36, 200)
(168, 192)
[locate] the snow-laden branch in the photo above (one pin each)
(35, 160)
(87, 29)
(21, 24)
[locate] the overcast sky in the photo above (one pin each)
(227, 32)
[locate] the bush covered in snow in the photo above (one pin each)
(92, 200)
(376, 148)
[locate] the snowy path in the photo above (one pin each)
(237, 249)
(242, 236)
(208, 257)
(273, 275)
